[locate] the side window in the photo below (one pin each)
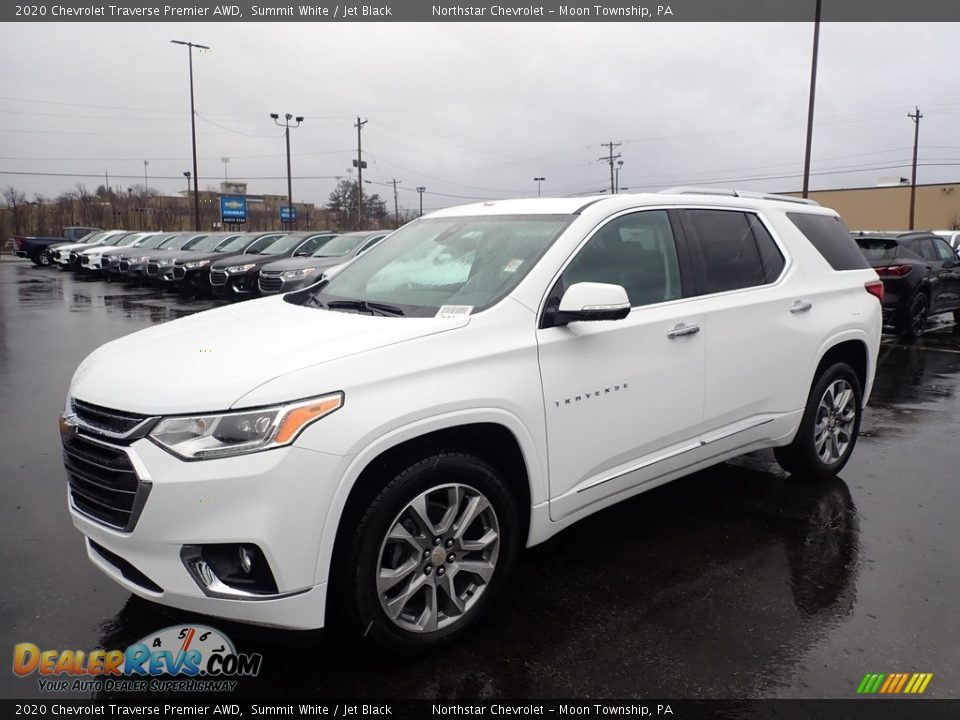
(924, 248)
(369, 244)
(731, 258)
(635, 251)
(830, 237)
(944, 251)
(770, 256)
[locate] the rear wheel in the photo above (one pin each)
(41, 259)
(829, 427)
(911, 325)
(430, 554)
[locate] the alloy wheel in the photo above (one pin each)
(836, 416)
(438, 558)
(919, 317)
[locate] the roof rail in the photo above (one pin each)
(730, 192)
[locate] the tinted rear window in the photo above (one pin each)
(832, 240)
(878, 248)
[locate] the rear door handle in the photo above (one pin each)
(800, 306)
(681, 330)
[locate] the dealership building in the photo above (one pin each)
(887, 207)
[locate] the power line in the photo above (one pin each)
(610, 158)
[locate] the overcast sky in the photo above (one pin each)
(476, 110)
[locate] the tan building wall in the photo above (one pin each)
(888, 208)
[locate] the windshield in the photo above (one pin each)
(283, 245)
(131, 240)
(262, 244)
(343, 245)
(95, 237)
(154, 241)
(209, 242)
(115, 240)
(473, 261)
(192, 242)
(878, 248)
(236, 245)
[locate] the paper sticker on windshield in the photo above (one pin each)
(513, 265)
(454, 311)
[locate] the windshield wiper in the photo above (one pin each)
(374, 308)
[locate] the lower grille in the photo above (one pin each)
(179, 272)
(218, 277)
(270, 283)
(152, 268)
(124, 265)
(126, 568)
(103, 483)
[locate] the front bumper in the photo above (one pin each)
(237, 285)
(276, 500)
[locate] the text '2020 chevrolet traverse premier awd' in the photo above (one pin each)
(372, 452)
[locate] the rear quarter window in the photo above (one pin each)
(830, 237)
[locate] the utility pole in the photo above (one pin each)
(538, 180)
(616, 189)
(360, 164)
(813, 94)
(396, 206)
(193, 131)
(286, 130)
(610, 158)
(146, 187)
(421, 189)
(915, 116)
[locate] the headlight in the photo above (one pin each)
(164, 263)
(203, 437)
(142, 259)
(196, 264)
(302, 273)
(240, 268)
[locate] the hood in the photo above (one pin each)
(132, 252)
(192, 255)
(305, 262)
(207, 361)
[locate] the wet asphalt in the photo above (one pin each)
(736, 582)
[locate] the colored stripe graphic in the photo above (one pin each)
(894, 683)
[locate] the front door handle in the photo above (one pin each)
(681, 330)
(800, 306)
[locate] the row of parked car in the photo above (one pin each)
(222, 264)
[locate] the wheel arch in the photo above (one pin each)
(496, 436)
(852, 350)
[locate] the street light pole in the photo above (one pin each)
(193, 131)
(421, 189)
(538, 180)
(286, 131)
(616, 184)
(813, 95)
(225, 160)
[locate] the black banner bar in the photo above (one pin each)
(329, 11)
(857, 709)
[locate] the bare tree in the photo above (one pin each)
(15, 200)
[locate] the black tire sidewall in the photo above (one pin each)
(909, 332)
(803, 445)
(360, 598)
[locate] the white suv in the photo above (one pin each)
(378, 448)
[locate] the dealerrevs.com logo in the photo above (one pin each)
(192, 658)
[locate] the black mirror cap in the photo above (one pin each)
(557, 317)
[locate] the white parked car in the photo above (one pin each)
(379, 447)
(951, 236)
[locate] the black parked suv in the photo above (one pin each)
(191, 272)
(921, 277)
(237, 276)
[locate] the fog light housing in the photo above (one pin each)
(238, 571)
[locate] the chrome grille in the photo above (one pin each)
(101, 418)
(179, 272)
(124, 265)
(103, 483)
(85, 260)
(218, 277)
(270, 283)
(152, 268)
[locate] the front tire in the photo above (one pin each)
(430, 554)
(829, 428)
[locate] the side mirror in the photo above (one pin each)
(593, 301)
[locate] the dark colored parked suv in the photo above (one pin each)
(921, 277)
(237, 276)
